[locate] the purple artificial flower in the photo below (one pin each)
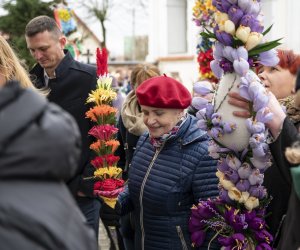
(216, 132)
(256, 178)
(205, 209)
(263, 236)
(228, 127)
(235, 219)
(224, 38)
(269, 58)
(245, 170)
(257, 223)
(263, 246)
(243, 185)
(242, 53)
(241, 66)
(199, 102)
(244, 5)
(261, 150)
(202, 124)
(235, 241)
(235, 14)
(202, 88)
(227, 53)
(254, 8)
(232, 175)
(196, 224)
(226, 65)
(226, 5)
(255, 126)
(264, 115)
(213, 150)
(222, 165)
(256, 140)
(258, 191)
(232, 1)
(248, 20)
(233, 162)
(201, 114)
(209, 110)
(216, 119)
(198, 237)
(216, 69)
(243, 89)
(250, 215)
(218, 51)
(261, 99)
(223, 194)
(262, 163)
(218, 5)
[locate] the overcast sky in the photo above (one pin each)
(120, 23)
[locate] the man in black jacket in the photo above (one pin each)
(69, 82)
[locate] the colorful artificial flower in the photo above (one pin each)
(109, 182)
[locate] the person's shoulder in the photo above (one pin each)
(85, 68)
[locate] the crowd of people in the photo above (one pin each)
(46, 201)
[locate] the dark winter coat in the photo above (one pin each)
(164, 184)
(70, 89)
(39, 148)
(290, 235)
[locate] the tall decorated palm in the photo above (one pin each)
(237, 214)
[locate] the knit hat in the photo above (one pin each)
(163, 92)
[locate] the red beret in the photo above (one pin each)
(163, 92)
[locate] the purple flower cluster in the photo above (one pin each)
(239, 20)
(208, 119)
(243, 227)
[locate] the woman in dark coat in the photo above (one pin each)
(280, 82)
(170, 170)
(39, 149)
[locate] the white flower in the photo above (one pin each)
(244, 197)
(252, 203)
(234, 194)
(221, 17)
(253, 40)
(229, 27)
(243, 33)
(226, 184)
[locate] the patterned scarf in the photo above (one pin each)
(158, 142)
(291, 111)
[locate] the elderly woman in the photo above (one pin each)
(170, 170)
(280, 82)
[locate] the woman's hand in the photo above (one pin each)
(236, 100)
(274, 106)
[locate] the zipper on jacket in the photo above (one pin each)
(182, 240)
(142, 192)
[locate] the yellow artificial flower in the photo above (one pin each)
(110, 172)
(101, 96)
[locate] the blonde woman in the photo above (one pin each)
(39, 148)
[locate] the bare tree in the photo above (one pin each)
(96, 9)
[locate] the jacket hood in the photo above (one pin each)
(37, 139)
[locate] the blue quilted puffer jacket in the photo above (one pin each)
(165, 183)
